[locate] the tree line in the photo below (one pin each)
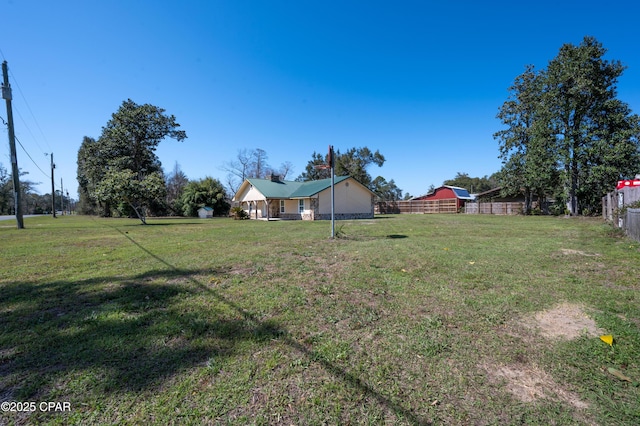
(119, 173)
(30, 200)
(354, 162)
(567, 137)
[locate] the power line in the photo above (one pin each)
(32, 160)
(35, 120)
(29, 130)
(15, 83)
(25, 151)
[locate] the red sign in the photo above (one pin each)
(635, 183)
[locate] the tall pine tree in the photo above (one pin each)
(566, 132)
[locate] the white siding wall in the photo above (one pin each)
(251, 194)
(290, 206)
(350, 197)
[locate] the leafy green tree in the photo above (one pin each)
(588, 122)
(126, 150)
(518, 114)
(125, 189)
(91, 169)
(386, 191)
(613, 155)
(42, 203)
(316, 168)
(6, 191)
(133, 134)
(28, 194)
(355, 162)
(566, 133)
(202, 193)
(527, 148)
(352, 163)
(472, 184)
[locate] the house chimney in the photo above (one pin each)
(274, 178)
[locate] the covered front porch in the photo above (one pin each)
(281, 209)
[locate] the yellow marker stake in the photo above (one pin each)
(608, 339)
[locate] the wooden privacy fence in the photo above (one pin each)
(417, 206)
(447, 206)
(502, 208)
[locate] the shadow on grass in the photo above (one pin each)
(116, 334)
(348, 378)
(165, 222)
(126, 334)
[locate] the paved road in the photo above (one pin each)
(14, 217)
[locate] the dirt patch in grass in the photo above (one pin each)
(529, 383)
(572, 252)
(566, 321)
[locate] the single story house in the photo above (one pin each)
(277, 198)
(205, 212)
(449, 199)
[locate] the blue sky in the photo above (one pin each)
(420, 81)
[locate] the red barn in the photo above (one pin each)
(450, 199)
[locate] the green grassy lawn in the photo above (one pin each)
(408, 319)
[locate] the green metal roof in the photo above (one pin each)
(271, 189)
(292, 189)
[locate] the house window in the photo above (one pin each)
(281, 206)
(301, 206)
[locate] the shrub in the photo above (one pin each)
(238, 213)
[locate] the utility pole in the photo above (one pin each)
(6, 94)
(331, 168)
(61, 198)
(333, 195)
(53, 188)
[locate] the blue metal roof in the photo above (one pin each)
(461, 193)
